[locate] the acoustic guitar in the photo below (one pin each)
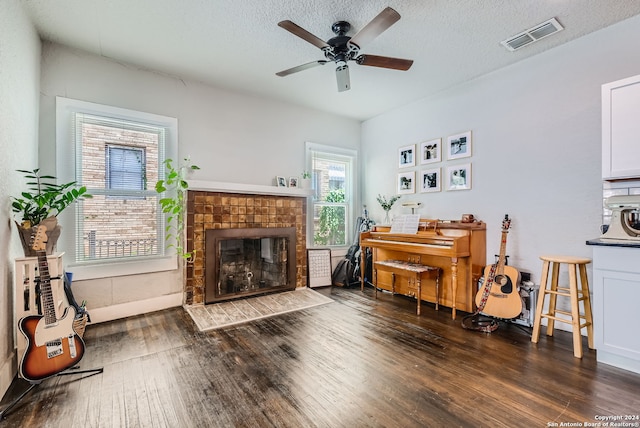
(52, 344)
(498, 296)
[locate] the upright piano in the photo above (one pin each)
(458, 249)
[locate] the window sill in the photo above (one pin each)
(132, 267)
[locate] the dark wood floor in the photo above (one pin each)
(357, 362)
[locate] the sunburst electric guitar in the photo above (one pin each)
(52, 344)
(499, 290)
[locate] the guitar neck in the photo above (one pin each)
(503, 252)
(48, 305)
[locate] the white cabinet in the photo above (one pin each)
(621, 129)
(616, 293)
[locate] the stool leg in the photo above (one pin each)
(375, 283)
(587, 305)
(437, 288)
(393, 283)
(535, 335)
(553, 297)
(419, 296)
(575, 311)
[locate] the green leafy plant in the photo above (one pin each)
(44, 198)
(176, 185)
(385, 203)
(306, 174)
(331, 222)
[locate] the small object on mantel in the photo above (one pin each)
(412, 205)
(468, 218)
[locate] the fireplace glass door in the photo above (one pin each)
(246, 262)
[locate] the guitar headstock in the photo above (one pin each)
(39, 238)
(506, 223)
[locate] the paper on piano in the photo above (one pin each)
(407, 223)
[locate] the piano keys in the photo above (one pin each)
(458, 249)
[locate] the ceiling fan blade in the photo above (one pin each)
(385, 62)
(377, 26)
(342, 76)
(297, 30)
(301, 67)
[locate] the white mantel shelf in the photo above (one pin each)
(251, 189)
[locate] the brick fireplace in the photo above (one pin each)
(207, 210)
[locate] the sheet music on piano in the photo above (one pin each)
(407, 223)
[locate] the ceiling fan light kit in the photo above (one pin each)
(342, 48)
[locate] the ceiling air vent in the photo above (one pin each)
(531, 35)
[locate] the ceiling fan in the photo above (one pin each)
(342, 48)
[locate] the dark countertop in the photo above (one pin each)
(606, 242)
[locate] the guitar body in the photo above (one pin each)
(503, 300)
(498, 296)
(51, 348)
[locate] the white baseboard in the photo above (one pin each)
(617, 360)
(114, 312)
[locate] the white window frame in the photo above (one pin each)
(66, 109)
(351, 188)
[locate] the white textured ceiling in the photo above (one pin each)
(236, 44)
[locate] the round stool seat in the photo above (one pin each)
(566, 259)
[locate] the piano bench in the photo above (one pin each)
(413, 271)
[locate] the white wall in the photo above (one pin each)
(233, 137)
(19, 87)
(536, 146)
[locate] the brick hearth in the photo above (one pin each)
(218, 210)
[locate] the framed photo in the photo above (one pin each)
(430, 151)
(430, 180)
(406, 182)
(281, 181)
(407, 156)
(459, 146)
(459, 177)
(293, 181)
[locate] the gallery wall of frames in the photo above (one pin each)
(433, 166)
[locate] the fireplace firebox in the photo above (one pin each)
(249, 261)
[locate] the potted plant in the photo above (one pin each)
(173, 204)
(305, 182)
(40, 204)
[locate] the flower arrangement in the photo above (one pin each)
(387, 204)
(306, 174)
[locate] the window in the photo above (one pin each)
(125, 168)
(333, 171)
(115, 153)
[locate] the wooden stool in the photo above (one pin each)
(573, 292)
